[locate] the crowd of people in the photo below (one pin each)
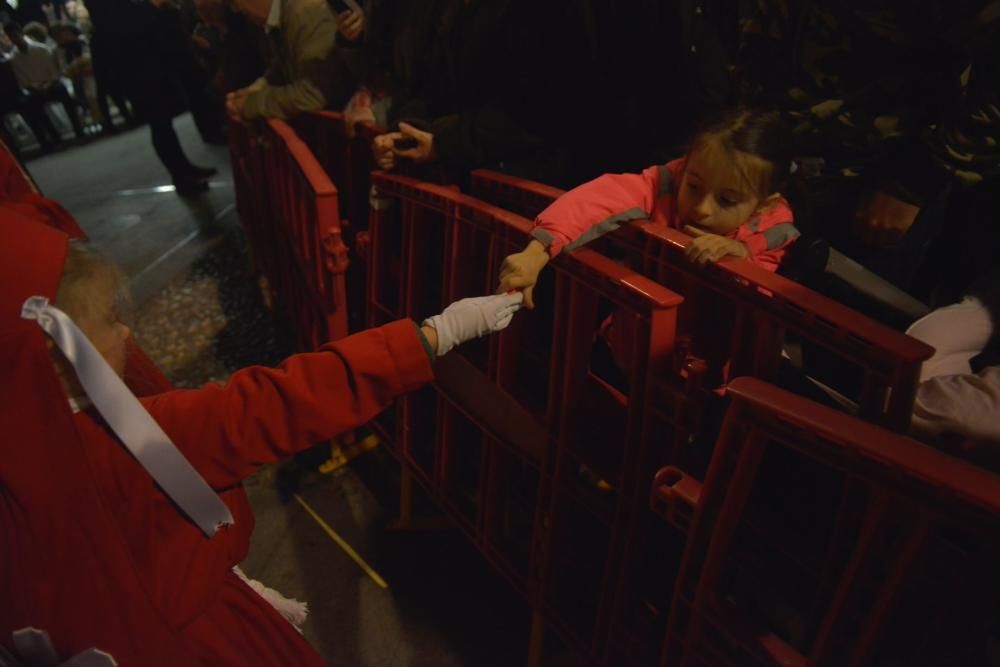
(892, 108)
(139, 55)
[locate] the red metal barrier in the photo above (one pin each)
(348, 160)
(289, 209)
(521, 439)
(737, 314)
(900, 568)
(736, 319)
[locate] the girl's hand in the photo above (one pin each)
(520, 271)
(707, 247)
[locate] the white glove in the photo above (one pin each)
(471, 318)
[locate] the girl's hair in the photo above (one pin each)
(761, 145)
(86, 274)
(762, 135)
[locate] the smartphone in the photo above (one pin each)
(404, 144)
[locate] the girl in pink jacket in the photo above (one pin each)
(725, 193)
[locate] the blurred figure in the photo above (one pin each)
(37, 32)
(108, 82)
(895, 105)
(130, 38)
(306, 72)
(231, 46)
(38, 75)
(957, 405)
(30, 10)
(186, 70)
(10, 97)
(73, 57)
(482, 84)
(7, 12)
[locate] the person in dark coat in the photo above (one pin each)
(132, 39)
(481, 84)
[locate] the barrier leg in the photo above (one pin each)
(535, 641)
(406, 520)
(405, 499)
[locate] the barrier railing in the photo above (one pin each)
(540, 442)
(888, 557)
(346, 156)
(766, 307)
(736, 319)
(521, 438)
(289, 209)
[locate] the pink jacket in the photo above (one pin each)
(604, 204)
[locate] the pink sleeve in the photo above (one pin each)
(598, 207)
(768, 236)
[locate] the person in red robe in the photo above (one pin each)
(92, 550)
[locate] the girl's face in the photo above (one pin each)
(715, 194)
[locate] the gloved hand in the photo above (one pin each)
(471, 318)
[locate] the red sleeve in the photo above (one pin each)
(598, 207)
(264, 414)
(769, 235)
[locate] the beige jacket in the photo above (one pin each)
(306, 73)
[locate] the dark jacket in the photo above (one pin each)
(493, 81)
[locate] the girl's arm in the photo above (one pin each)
(768, 236)
(593, 209)
(581, 215)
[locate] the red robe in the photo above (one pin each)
(94, 553)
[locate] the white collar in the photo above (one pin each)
(274, 16)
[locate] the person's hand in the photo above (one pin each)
(884, 219)
(350, 24)
(520, 271)
(235, 102)
(423, 151)
(359, 111)
(468, 319)
(708, 247)
(358, 115)
(386, 153)
(385, 157)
